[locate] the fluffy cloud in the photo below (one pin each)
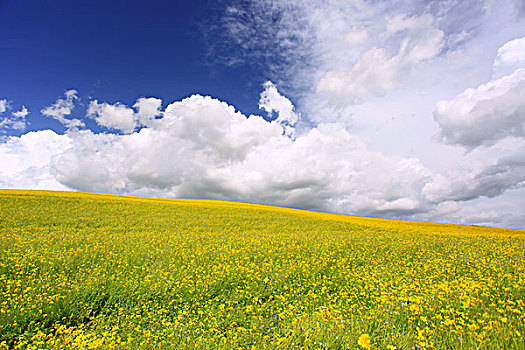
(170, 156)
(489, 121)
(272, 101)
(510, 58)
(147, 110)
(202, 147)
(3, 106)
(122, 118)
(26, 160)
(116, 117)
(62, 109)
(492, 111)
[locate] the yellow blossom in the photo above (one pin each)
(364, 341)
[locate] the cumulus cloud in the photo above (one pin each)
(172, 154)
(62, 109)
(26, 160)
(116, 117)
(122, 118)
(272, 101)
(202, 147)
(492, 111)
(147, 110)
(510, 58)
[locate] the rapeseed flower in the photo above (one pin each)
(81, 271)
(364, 341)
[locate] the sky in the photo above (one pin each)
(410, 109)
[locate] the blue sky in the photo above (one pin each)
(405, 109)
(115, 51)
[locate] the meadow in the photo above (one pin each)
(90, 271)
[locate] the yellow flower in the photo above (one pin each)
(364, 341)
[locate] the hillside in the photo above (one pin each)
(86, 271)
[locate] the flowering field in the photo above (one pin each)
(87, 271)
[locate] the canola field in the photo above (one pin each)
(89, 271)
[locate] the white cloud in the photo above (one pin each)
(62, 109)
(21, 113)
(376, 71)
(202, 147)
(116, 117)
(125, 119)
(491, 172)
(504, 210)
(194, 134)
(492, 111)
(3, 106)
(272, 101)
(423, 40)
(17, 120)
(147, 110)
(90, 161)
(26, 160)
(510, 58)
(356, 37)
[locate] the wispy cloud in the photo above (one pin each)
(15, 121)
(62, 109)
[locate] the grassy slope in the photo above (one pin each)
(89, 270)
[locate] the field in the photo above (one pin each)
(88, 271)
